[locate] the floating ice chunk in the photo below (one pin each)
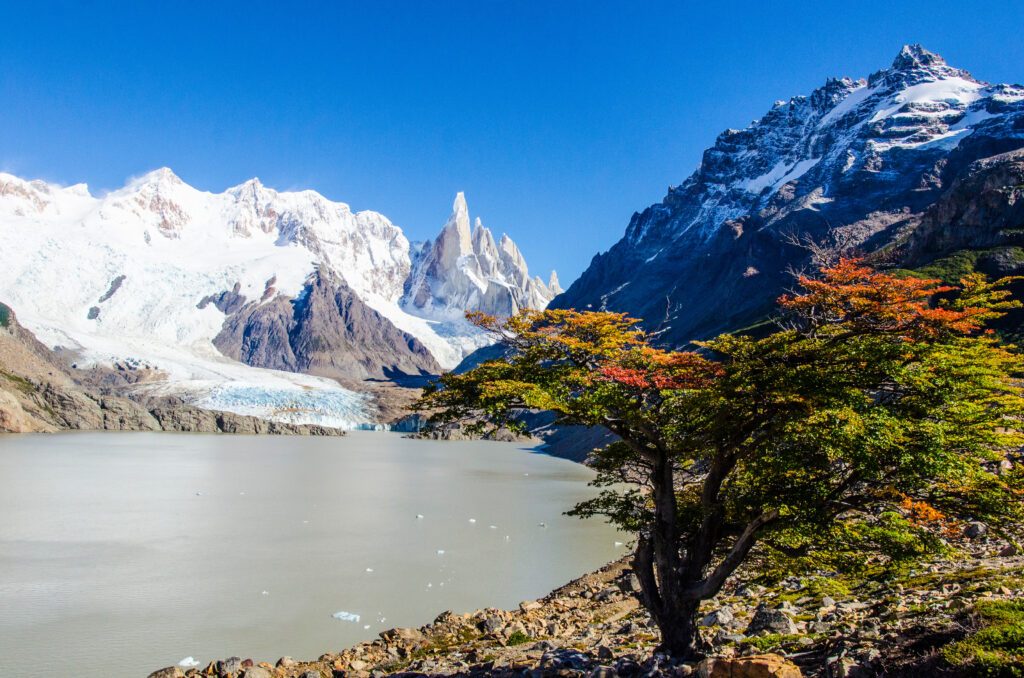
(542, 525)
(429, 585)
(508, 538)
(199, 494)
(369, 569)
(342, 615)
(189, 662)
(493, 527)
(366, 626)
(440, 552)
(264, 592)
(241, 494)
(419, 516)
(526, 474)
(472, 520)
(618, 544)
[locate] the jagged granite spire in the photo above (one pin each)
(484, 275)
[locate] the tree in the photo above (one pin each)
(876, 417)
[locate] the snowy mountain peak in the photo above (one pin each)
(160, 178)
(844, 128)
(554, 285)
(915, 65)
(466, 270)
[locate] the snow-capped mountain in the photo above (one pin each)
(858, 162)
(465, 268)
(209, 287)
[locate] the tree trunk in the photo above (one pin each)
(680, 636)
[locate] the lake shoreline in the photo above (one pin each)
(594, 626)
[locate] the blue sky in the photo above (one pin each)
(559, 118)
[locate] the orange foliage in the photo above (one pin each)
(853, 293)
(921, 513)
(663, 370)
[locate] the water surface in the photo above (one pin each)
(121, 553)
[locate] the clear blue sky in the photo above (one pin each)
(558, 118)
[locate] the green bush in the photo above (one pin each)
(996, 649)
(518, 638)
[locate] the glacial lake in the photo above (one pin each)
(121, 553)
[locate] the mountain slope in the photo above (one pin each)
(857, 164)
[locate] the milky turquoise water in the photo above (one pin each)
(121, 553)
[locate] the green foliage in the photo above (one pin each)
(962, 263)
(996, 649)
(774, 641)
(518, 638)
(23, 385)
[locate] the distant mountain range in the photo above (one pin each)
(919, 166)
(204, 287)
(286, 304)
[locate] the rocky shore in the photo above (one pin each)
(823, 625)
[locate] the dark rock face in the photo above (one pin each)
(890, 166)
(226, 302)
(328, 331)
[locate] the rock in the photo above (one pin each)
(605, 652)
(719, 617)
(788, 607)
(229, 666)
(746, 591)
(828, 601)
(755, 666)
(357, 665)
(975, 530)
(169, 672)
(627, 667)
(1008, 551)
(286, 662)
(257, 672)
(603, 672)
(407, 634)
(529, 605)
(775, 621)
(633, 583)
(723, 637)
(492, 624)
(312, 674)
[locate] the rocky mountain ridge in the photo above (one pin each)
(861, 166)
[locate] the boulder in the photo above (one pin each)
(719, 617)
(756, 666)
(975, 530)
(169, 672)
(229, 666)
(774, 621)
